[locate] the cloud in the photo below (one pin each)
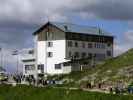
(126, 44)
(35, 11)
(20, 18)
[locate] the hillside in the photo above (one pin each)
(112, 70)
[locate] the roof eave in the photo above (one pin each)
(39, 30)
(91, 34)
(42, 27)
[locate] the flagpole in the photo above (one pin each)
(17, 57)
(1, 56)
(17, 61)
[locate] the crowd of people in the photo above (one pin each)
(119, 88)
(30, 80)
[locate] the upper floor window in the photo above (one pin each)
(50, 44)
(50, 54)
(70, 44)
(100, 45)
(76, 44)
(57, 66)
(89, 45)
(108, 44)
(83, 45)
(103, 46)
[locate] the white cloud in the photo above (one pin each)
(18, 18)
(126, 43)
(35, 11)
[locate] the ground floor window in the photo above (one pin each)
(83, 55)
(76, 55)
(40, 66)
(57, 66)
(108, 53)
(29, 67)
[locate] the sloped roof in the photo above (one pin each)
(68, 27)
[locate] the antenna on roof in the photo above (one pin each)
(47, 18)
(66, 27)
(99, 30)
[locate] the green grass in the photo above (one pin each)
(32, 93)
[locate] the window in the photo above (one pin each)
(95, 45)
(40, 67)
(70, 54)
(49, 36)
(76, 55)
(76, 44)
(103, 46)
(89, 55)
(83, 55)
(89, 45)
(50, 54)
(57, 66)
(50, 44)
(32, 67)
(29, 67)
(83, 45)
(108, 53)
(108, 44)
(70, 43)
(100, 45)
(100, 56)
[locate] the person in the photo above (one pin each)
(111, 90)
(89, 85)
(117, 91)
(130, 90)
(99, 85)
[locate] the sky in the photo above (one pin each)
(20, 18)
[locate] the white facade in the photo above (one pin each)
(58, 55)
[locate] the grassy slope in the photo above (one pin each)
(113, 65)
(30, 93)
